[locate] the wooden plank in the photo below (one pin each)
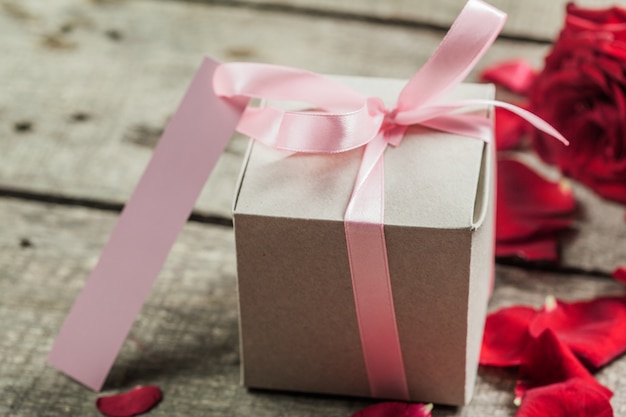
(83, 108)
(531, 19)
(186, 339)
(597, 241)
(89, 87)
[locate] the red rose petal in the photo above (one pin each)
(509, 129)
(594, 330)
(530, 210)
(542, 248)
(546, 361)
(530, 193)
(131, 403)
(517, 75)
(615, 191)
(395, 409)
(573, 398)
(594, 18)
(620, 274)
(506, 336)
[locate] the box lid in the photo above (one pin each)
(432, 180)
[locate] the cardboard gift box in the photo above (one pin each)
(334, 297)
(299, 327)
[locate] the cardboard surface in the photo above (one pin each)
(298, 320)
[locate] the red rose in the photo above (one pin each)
(582, 92)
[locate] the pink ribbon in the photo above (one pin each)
(103, 313)
(347, 120)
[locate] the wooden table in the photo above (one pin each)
(86, 89)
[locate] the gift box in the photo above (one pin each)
(298, 320)
(364, 227)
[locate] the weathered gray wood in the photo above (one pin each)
(597, 241)
(185, 339)
(97, 82)
(533, 19)
(88, 88)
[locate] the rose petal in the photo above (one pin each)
(530, 210)
(594, 330)
(509, 129)
(573, 398)
(517, 75)
(395, 409)
(541, 248)
(620, 274)
(131, 403)
(546, 361)
(506, 336)
(595, 18)
(530, 193)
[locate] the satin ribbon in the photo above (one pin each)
(103, 313)
(348, 120)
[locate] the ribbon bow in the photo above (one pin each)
(348, 120)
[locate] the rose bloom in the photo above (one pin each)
(582, 92)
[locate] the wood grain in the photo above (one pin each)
(530, 19)
(186, 337)
(90, 86)
(95, 83)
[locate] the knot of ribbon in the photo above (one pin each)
(391, 131)
(344, 119)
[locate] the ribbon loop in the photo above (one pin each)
(469, 37)
(276, 82)
(346, 119)
(311, 132)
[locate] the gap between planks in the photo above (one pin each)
(108, 206)
(197, 217)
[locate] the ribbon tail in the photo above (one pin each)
(536, 121)
(105, 310)
(371, 282)
(470, 125)
(446, 117)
